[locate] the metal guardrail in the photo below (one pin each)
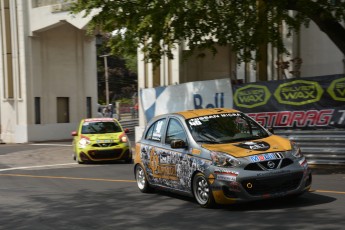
(319, 146)
(129, 124)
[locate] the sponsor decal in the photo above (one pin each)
(160, 168)
(196, 151)
(337, 89)
(226, 177)
(309, 118)
(211, 178)
(266, 157)
(303, 163)
(99, 119)
(234, 186)
(251, 96)
(198, 120)
(273, 173)
(226, 171)
(298, 92)
(254, 145)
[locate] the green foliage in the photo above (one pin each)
(156, 26)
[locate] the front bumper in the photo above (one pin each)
(105, 153)
(244, 185)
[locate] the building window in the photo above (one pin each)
(37, 110)
(62, 110)
(88, 107)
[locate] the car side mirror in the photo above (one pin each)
(270, 129)
(74, 133)
(126, 130)
(177, 144)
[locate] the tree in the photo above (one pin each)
(158, 25)
(122, 74)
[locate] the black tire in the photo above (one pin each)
(77, 159)
(202, 191)
(141, 179)
(129, 161)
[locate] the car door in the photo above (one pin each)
(174, 162)
(150, 146)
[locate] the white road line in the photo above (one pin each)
(38, 166)
(53, 144)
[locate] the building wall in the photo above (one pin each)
(319, 54)
(54, 57)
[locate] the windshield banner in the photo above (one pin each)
(313, 102)
(192, 95)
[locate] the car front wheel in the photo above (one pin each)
(142, 182)
(202, 191)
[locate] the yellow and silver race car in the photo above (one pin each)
(219, 156)
(101, 139)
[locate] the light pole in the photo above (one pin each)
(99, 42)
(106, 75)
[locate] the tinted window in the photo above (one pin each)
(155, 131)
(175, 131)
(100, 127)
(223, 128)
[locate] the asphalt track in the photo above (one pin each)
(41, 187)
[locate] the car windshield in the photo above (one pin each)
(225, 128)
(100, 127)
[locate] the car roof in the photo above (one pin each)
(205, 112)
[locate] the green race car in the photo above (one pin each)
(101, 139)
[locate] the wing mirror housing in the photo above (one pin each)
(178, 144)
(74, 133)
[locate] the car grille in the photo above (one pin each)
(104, 145)
(267, 165)
(276, 184)
(105, 154)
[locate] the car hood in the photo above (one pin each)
(272, 143)
(104, 136)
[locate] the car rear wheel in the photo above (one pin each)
(142, 182)
(202, 191)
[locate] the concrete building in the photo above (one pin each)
(47, 71)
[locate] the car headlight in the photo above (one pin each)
(123, 138)
(295, 150)
(224, 160)
(83, 142)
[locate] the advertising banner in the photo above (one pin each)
(303, 103)
(192, 95)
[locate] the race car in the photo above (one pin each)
(101, 139)
(218, 156)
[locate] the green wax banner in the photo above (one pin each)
(299, 103)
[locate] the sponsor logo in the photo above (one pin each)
(251, 96)
(337, 89)
(260, 145)
(309, 118)
(299, 92)
(266, 157)
(161, 170)
(226, 171)
(226, 177)
(218, 101)
(271, 164)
